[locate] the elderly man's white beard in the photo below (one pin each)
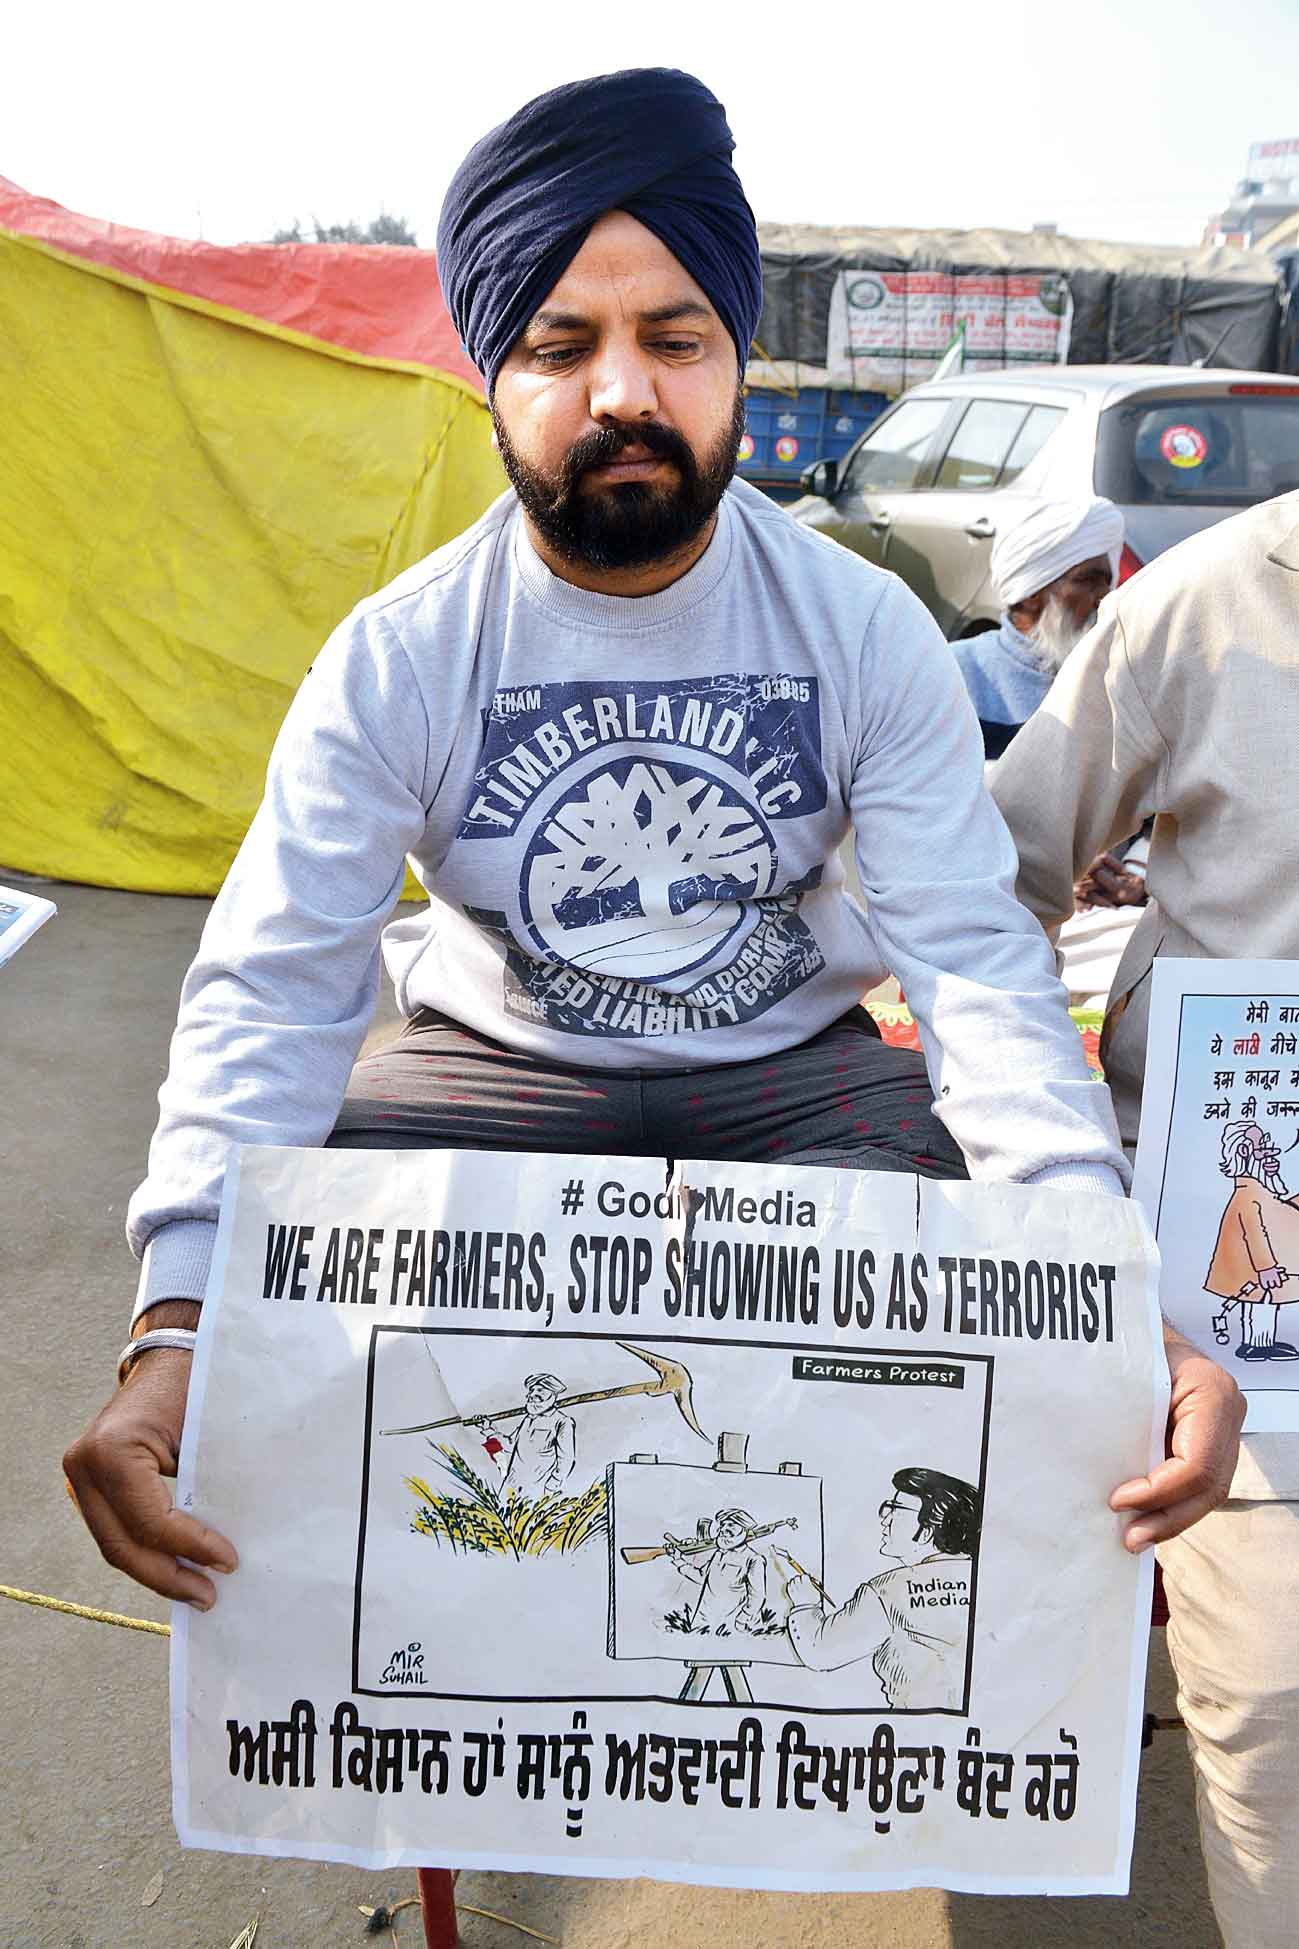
(1055, 634)
(1256, 1167)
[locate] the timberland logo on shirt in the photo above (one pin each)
(766, 729)
(644, 868)
(507, 703)
(644, 822)
(778, 955)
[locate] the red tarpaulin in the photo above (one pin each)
(381, 300)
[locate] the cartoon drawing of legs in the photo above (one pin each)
(1258, 1327)
(912, 1622)
(1257, 1244)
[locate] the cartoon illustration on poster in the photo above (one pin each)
(606, 1516)
(1218, 1167)
(662, 1543)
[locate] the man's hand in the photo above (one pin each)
(799, 1589)
(116, 1468)
(1108, 883)
(1205, 1414)
(1272, 1277)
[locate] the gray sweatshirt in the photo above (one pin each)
(627, 815)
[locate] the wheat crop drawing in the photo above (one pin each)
(472, 1517)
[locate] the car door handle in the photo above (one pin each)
(980, 530)
(880, 522)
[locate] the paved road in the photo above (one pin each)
(85, 1013)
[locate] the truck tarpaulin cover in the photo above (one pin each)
(211, 455)
(1130, 304)
(1288, 351)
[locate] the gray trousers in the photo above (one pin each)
(844, 1099)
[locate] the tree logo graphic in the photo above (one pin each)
(645, 869)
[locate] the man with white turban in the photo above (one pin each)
(1051, 571)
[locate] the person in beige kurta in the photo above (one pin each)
(1257, 1244)
(1183, 703)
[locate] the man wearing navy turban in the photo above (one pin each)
(565, 197)
(650, 141)
(620, 729)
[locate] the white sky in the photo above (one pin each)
(1127, 119)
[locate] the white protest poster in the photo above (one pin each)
(888, 329)
(720, 1524)
(1218, 1168)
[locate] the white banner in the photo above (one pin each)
(889, 329)
(732, 1525)
(1218, 1168)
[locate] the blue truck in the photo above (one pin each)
(787, 431)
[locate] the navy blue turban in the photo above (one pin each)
(650, 141)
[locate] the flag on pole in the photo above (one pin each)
(953, 359)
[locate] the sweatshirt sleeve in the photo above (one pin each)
(280, 995)
(826, 1640)
(1083, 774)
(938, 868)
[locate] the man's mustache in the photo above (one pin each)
(598, 448)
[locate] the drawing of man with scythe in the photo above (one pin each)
(541, 1452)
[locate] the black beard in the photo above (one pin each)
(633, 524)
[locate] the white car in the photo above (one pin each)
(927, 489)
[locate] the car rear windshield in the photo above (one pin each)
(1195, 449)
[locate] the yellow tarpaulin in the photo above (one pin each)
(189, 502)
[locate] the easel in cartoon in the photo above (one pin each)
(732, 1453)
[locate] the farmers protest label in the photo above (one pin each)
(602, 1518)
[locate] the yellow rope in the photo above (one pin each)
(391, 1910)
(164, 1631)
(467, 1908)
(84, 1610)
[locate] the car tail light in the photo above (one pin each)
(1129, 563)
(1265, 391)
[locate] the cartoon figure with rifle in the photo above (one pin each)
(730, 1572)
